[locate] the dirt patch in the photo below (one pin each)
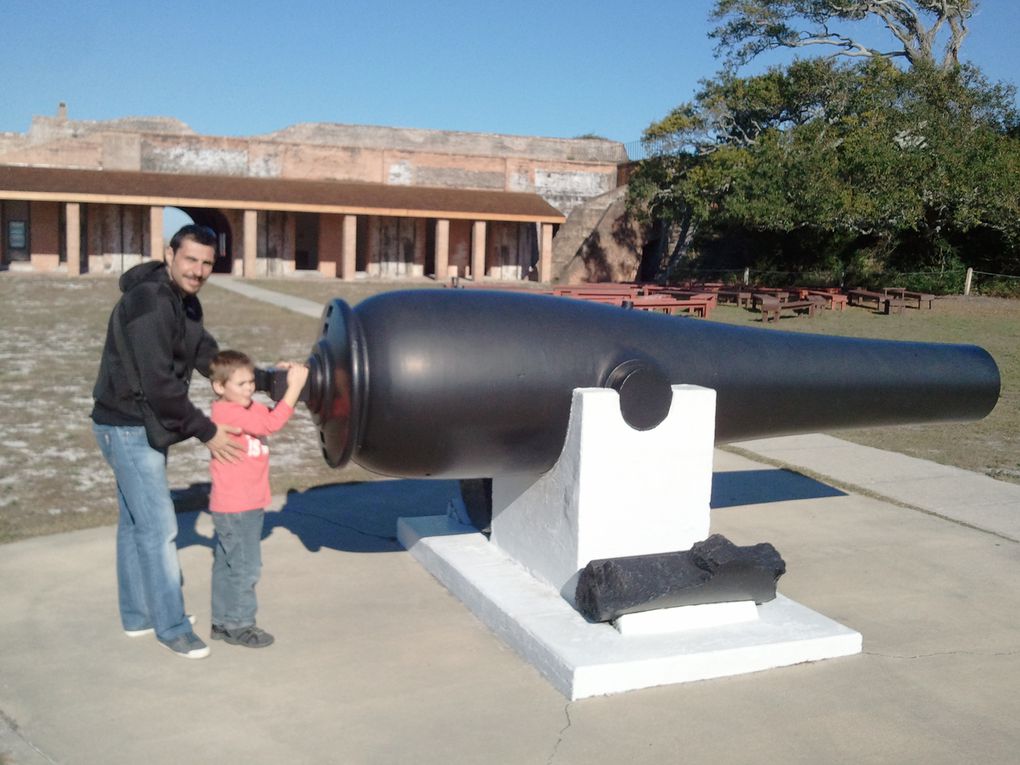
(52, 477)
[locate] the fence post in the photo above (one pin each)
(966, 282)
(747, 275)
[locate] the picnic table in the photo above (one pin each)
(700, 286)
(598, 288)
(711, 298)
(667, 304)
(859, 297)
(741, 298)
(760, 295)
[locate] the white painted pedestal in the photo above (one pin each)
(613, 492)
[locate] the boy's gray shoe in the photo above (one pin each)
(151, 630)
(187, 646)
(249, 637)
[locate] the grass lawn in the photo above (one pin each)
(53, 479)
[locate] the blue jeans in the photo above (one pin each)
(148, 571)
(237, 564)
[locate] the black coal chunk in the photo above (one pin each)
(712, 571)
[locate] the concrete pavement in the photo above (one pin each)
(282, 300)
(955, 494)
(376, 663)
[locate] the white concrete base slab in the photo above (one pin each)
(664, 620)
(582, 659)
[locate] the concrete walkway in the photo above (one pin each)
(949, 492)
(249, 290)
(376, 663)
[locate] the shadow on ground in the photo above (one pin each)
(755, 487)
(353, 517)
(362, 517)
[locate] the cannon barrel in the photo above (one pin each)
(475, 383)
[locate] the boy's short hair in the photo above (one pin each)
(224, 364)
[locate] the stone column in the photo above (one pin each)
(478, 250)
(349, 249)
(545, 254)
(251, 243)
(72, 237)
(156, 251)
(442, 249)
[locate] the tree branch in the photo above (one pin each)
(750, 27)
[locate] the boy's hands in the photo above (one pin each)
(297, 376)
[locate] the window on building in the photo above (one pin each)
(17, 234)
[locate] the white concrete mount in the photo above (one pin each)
(613, 492)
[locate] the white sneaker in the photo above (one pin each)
(152, 630)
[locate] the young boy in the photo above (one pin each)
(240, 493)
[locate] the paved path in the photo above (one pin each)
(960, 495)
(376, 663)
(249, 290)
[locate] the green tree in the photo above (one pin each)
(841, 165)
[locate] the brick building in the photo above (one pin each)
(343, 200)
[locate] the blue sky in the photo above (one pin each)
(560, 68)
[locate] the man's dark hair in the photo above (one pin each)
(200, 234)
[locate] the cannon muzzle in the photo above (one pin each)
(467, 384)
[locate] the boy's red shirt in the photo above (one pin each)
(244, 485)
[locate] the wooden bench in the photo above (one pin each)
(834, 301)
(772, 310)
(918, 299)
(924, 300)
(894, 305)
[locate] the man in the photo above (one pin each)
(154, 340)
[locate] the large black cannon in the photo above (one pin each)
(472, 383)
